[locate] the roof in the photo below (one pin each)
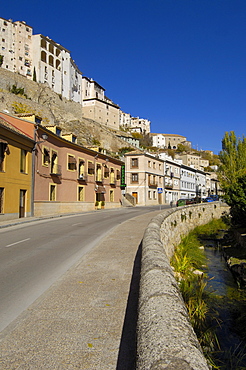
(14, 129)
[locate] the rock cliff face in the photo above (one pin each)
(54, 109)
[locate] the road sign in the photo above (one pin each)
(160, 190)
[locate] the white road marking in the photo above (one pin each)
(20, 241)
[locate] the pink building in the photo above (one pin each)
(69, 178)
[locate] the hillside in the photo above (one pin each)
(40, 99)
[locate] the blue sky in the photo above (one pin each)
(179, 63)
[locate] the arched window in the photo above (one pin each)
(51, 61)
(43, 56)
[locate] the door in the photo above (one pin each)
(135, 195)
(22, 203)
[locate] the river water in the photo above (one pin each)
(232, 353)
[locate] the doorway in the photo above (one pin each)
(22, 209)
(135, 195)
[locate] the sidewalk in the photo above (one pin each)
(87, 319)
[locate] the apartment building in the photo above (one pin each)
(187, 182)
(173, 140)
(68, 177)
(140, 125)
(144, 178)
(194, 160)
(15, 172)
(125, 119)
(16, 47)
(171, 178)
(54, 66)
(97, 106)
(158, 140)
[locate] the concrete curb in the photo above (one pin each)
(166, 339)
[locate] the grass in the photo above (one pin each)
(188, 259)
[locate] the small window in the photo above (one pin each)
(134, 163)
(71, 163)
(111, 196)
(135, 177)
(91, 168)
(23, 160)
(46, 157)
(3, 148)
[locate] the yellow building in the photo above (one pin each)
(15, 172)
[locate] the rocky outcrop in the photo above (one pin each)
(55, 110)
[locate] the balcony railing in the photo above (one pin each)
(99, 179)
(82, 177)
(56, 170)
(152, 184)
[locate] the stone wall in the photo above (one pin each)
(166, 339)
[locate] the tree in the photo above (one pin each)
(233, 159)
(232, 175)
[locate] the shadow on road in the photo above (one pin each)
(128, 343)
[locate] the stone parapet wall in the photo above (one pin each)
(166, 339)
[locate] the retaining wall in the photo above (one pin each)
(166, 339)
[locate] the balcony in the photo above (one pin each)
(152, 184)
(55, 170)
(168, 184)
(99, 178)
(82, 177)
(113, 182)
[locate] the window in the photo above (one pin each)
(51, 61)
(81, 193)
(149, 194)
(81, 168)
(23, 160)
(106, 172)
(55, 170)
(91, 168)
(99, 172)
(71, 165)
(1, 199)
(3, 148)
(43, 56)
(52, 192)
(112, 176)
(134, 163)
(46, 157)
(135, 177)
(149, 164)
(111, 196)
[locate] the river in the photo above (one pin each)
(229, 299)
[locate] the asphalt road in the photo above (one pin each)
(34, 255)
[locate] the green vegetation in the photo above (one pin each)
(232, 175)
(189, 263)
(18, 91)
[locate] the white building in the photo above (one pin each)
(187, 182)
(159, 140)
(16, 47)
(54, 66)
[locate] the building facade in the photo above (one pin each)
(145, 178)
(97, 106)
(67, 177)
(15, 172)
(16, 47)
